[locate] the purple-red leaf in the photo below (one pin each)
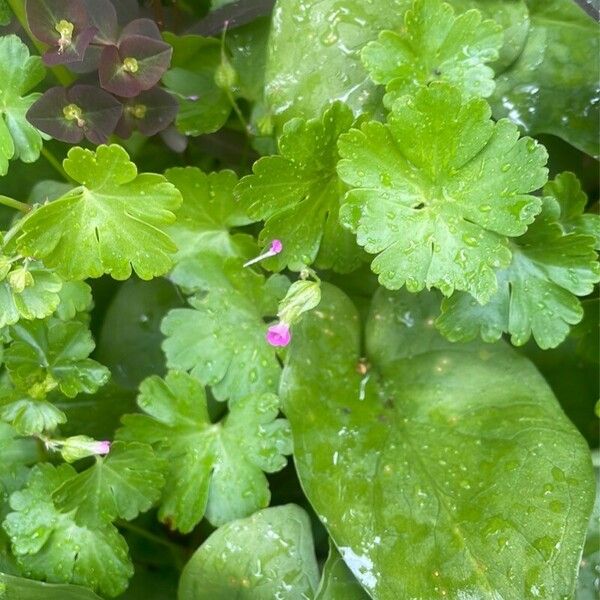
(71, 114)
(150, 112)
(103, 17)
(145, 27)
(137, 64)
(62, 24)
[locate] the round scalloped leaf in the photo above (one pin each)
(19, 73)
(112, 223)
(215, 469)
(435, 45)
(437, 191)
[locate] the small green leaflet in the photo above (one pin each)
(215, 469)
(29, 416)
(5, 13)
(298, 195)
(268, 555)
(221, 339)
(552, 264)
(39, 298)
(45, 355)
(53, 546)
(207, 215)
(434, 45)
(124, 483)
(437, 190)
(112, 223)
(75, 297)
(203, 106)
(19, 72)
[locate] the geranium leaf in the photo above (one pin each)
(62, 24)
(214, 469)
(435, 45)
(71, 114)
(53, 546)
(19, 72)
(440, 467)
(207, 214)
(29, 416)
(126, 482)
(53, 354)
(513, 16)
(437, 191)
(39, 298)
(542, 95)
(552, 264)
(203, 106)
(112, 223)
(298, 194)
(238, 559)
(75, 297)
(221, 339)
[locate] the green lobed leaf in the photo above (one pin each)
(123, 484)
(221, 338)
(552, 264)
(35, 301)
(19, 73)
(112, 223)
(268, 555)
(53, 546)
(435, 45)
(53, 354)
(298, 193)
(215, 469)
(553, 86)
(27, 589)
(207, 215)
(438, 189)
(75, 297)
(449, 469)
(29, 416)
(203, 106)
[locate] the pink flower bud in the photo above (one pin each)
(276, 247)
(101, 447)
(279, 334)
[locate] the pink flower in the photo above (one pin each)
(279, 334)
(101, 447)
(275, 248)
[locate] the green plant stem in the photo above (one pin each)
(47, 154)
(148, 535)
(63, 76)
(6, 201)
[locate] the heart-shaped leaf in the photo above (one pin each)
(443, 471)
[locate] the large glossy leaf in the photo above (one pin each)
(314, 54)
(268, 555)
(553, 86)
(453, 469)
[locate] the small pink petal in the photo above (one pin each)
(279, 334)
(276, 246)
(102, 447)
